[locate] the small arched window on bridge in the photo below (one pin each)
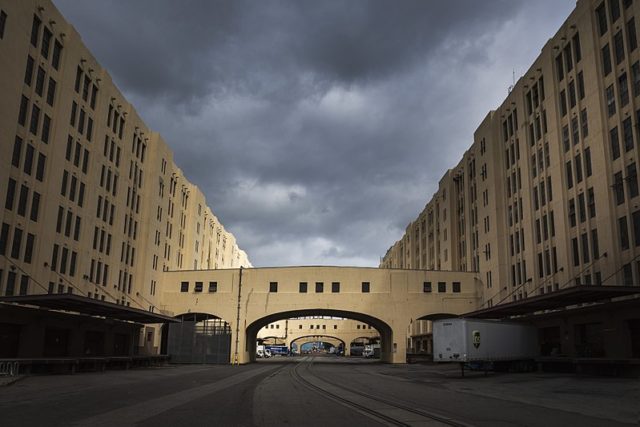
(273, 286)
(335, 287)
(365, 287)
(319, 287)
(303, 287)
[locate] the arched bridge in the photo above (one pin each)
(387, 299)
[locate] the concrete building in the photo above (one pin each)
(545, 201)
(93, 202)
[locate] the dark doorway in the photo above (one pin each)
(634, 333)
(56, 342)
(93, 343)
(9, 340)
(121, 344)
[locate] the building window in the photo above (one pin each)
(273, 286)
(426, 287)
(302, 287)
(3, 23)
(198, 287)
(335, 287)
(319, 287)
(456, 287)
(624, 232)
(442, 287)
(366, 287)
(184, 287)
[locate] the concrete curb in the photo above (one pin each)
(6, 382)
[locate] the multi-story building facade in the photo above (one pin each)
(93, 202)
(546, 197)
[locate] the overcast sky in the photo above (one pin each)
(316, 129)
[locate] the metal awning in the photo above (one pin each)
(562, 298)
(89, 306)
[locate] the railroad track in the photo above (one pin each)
(375, 407)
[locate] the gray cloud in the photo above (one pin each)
(317, 130)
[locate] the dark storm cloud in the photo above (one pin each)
(317, 129)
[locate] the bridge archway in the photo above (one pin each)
(198, 338)
(385, 331)
(300, 341)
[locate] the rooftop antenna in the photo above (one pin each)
(513, 82)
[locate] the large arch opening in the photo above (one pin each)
(199, 338)
(384, 330)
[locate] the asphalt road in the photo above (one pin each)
(317, 391)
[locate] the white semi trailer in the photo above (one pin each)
(503, 344)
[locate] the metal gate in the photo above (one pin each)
(199, 338)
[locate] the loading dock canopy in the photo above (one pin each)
(583, 294)
(92, 307)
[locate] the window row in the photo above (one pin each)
(68, 224)
(571, 53)
(618, 47)
(111, 150)
(627, 137)
(535, 96)
(34, 123)
(23, 200)
(545, 227)
(516, 242)
(199, 286)
(580, 248)
(631, 180)
(12, 281)
(101, 240)
(130, 227)
(109, 180)
(76, 153)
(72, 188)
(98, 272)
(80, 118)
(542, 193)
(41, 79)
(584, 208)
(125, 279)
(83, 79)
(547, 262)
(115, 121)
(106, 210)
(63, 260)
(17, 238)
(623, 230)
(30, 154)
(45, 47)
(442, 287)
(127, 253)
(519, 273)
(576, 165)
(510, 125)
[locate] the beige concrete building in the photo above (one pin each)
(546, 197)
(93, 202)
